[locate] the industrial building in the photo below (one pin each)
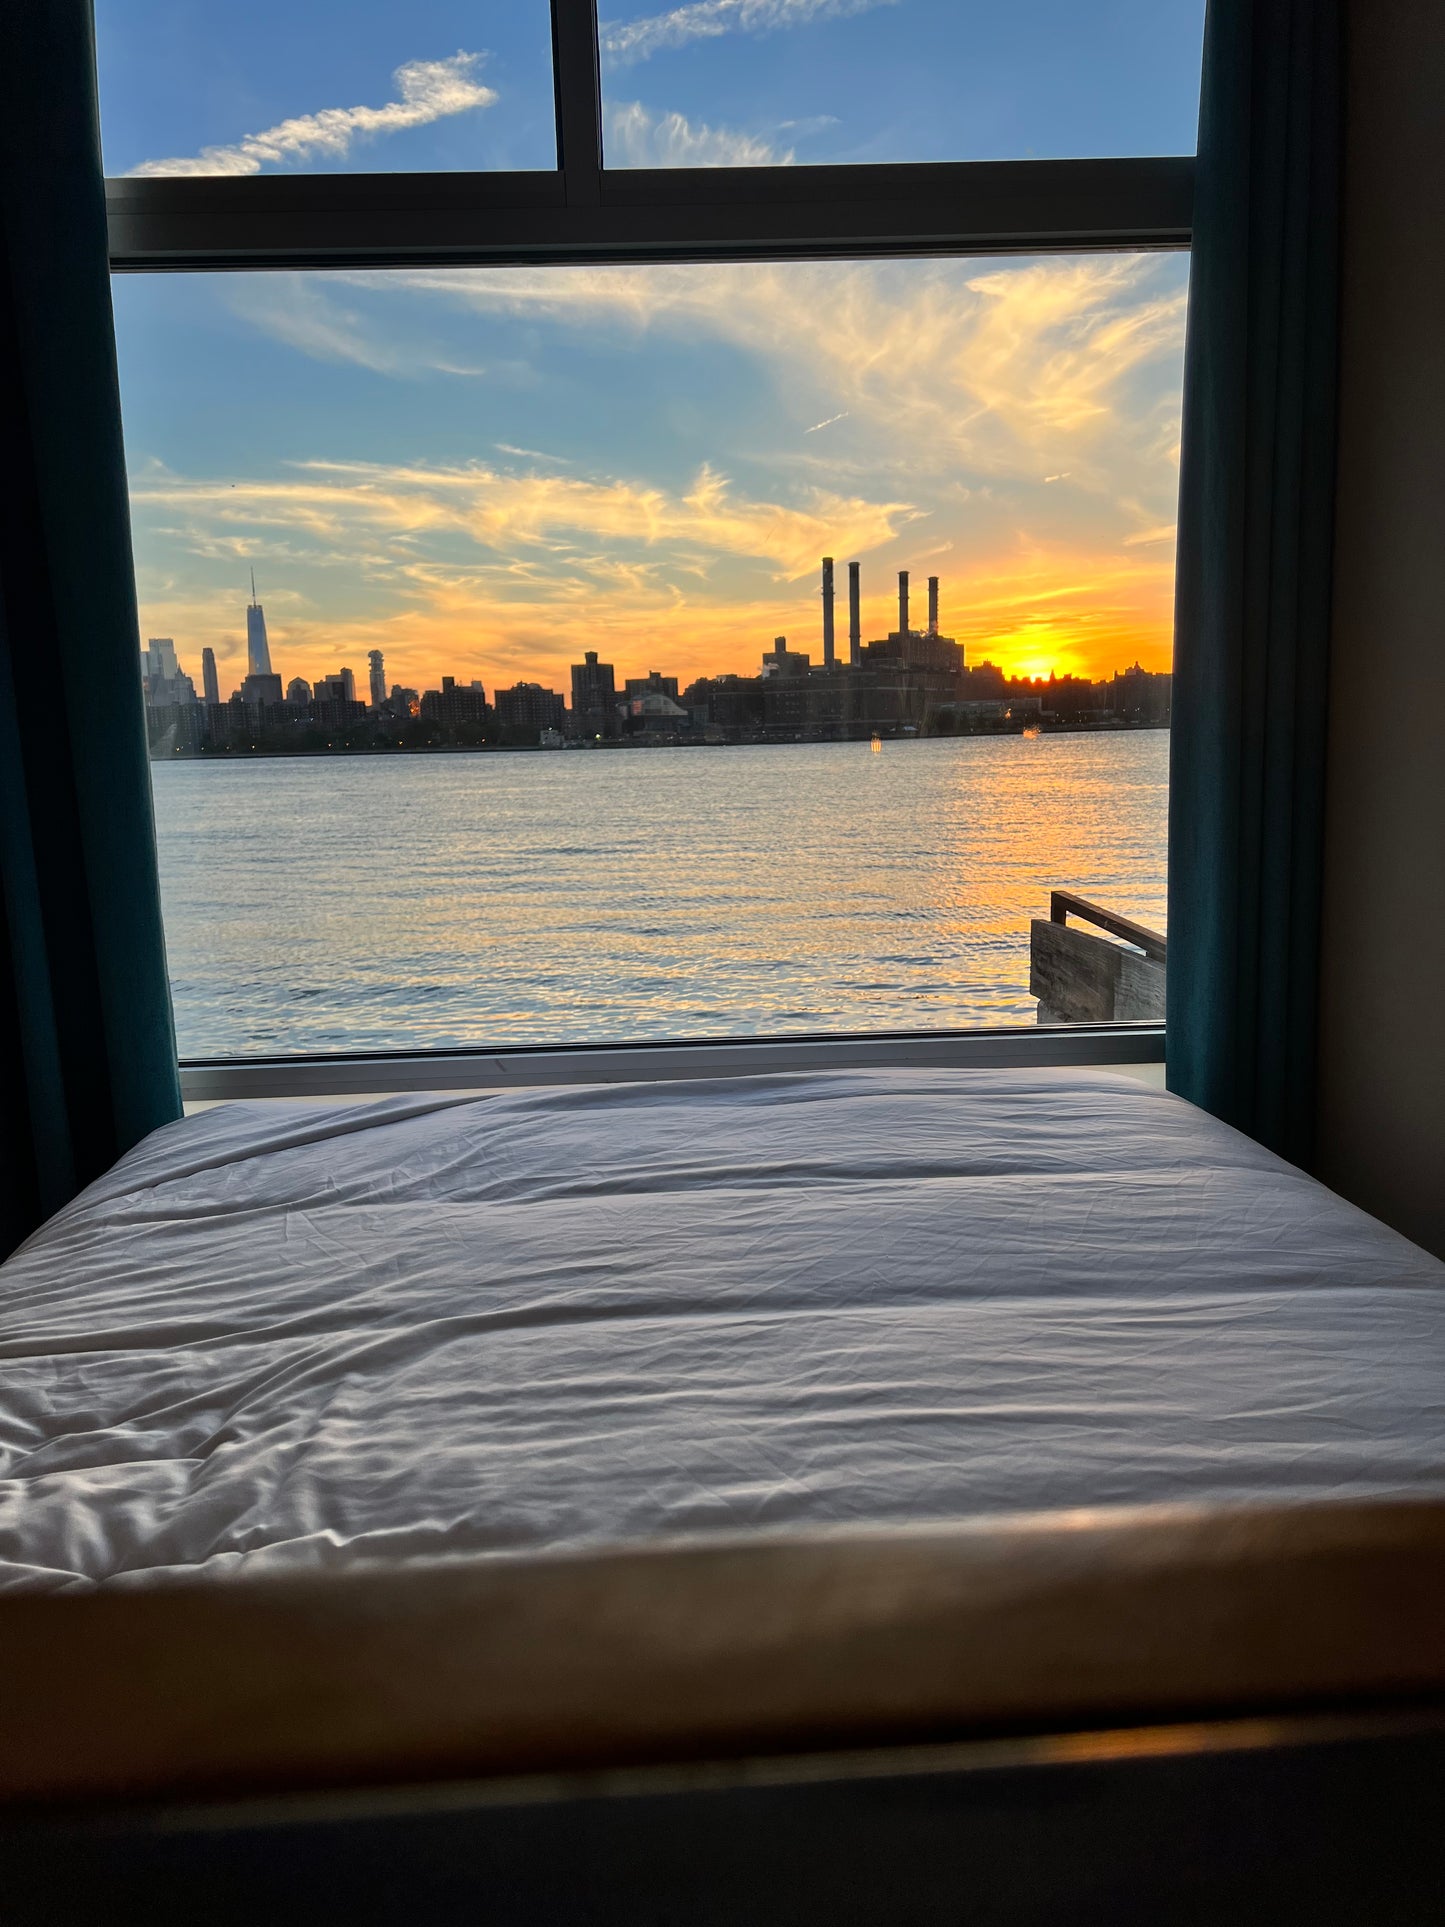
(901, 682)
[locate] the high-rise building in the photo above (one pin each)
(165, 681)
(594, 698)
(339, 688)
(454, 704)
(261, 692)
(161, 662)
(258, 649)
(528, 705)
(298, 692)
(378, 678)
(209, 679)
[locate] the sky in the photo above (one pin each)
(483, 472)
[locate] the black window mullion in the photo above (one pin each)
(962, 207)
(576, 76)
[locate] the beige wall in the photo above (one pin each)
(1382, 1044)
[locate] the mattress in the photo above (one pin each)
(304, 1335)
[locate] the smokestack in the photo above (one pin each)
(902, 602)
(933, 605)
(827, 612)
(855, 617)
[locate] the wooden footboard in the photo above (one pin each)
(720, 1651)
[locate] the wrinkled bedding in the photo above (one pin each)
(301, 1335)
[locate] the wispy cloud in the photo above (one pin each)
(827, 424)
(1004, 373)
(812, 124)
(630, 40)
(429, 90)
(636, 137)
(531, 454)
(502, 512)
(311, 313)
(302, 314)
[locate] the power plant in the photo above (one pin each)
(905, 643)
(914, 649)
(899, 682)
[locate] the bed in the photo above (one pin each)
(291, 1337)
(883, 1495)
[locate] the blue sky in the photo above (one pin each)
(467, 83)
(483, 472)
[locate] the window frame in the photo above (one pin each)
(583, 211)
(587, 213)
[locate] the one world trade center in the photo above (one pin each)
(258, 650)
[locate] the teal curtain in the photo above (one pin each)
(1256, 516)
(87, 1046)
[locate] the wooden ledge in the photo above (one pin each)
(718, 1650)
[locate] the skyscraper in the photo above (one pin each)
(378, 678)
(258, 650)
(339, 688)
(210, 682)
(594, 698)
(164, 680)
(160, 659)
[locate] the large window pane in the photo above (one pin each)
(484, 475)
(312, 86)
(731, 83)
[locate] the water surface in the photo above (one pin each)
(410, 902)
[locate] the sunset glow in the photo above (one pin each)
(483, 473)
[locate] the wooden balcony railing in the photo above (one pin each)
(1080, 978)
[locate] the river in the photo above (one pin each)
(412, 902)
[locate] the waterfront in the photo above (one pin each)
(452, 901)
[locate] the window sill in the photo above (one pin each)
(223, 1080)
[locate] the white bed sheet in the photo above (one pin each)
(303, 1335)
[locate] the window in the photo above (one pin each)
(760, 83)
(190, 90)
(568, 461)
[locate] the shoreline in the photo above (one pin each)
(535, 749)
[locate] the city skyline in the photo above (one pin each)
(844, 641)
